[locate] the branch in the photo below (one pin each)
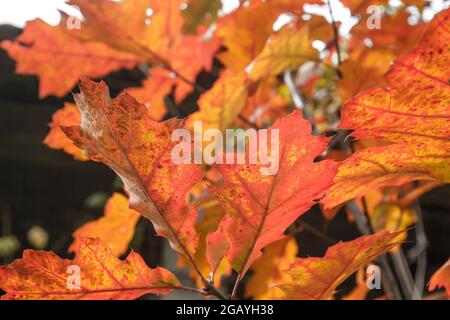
(336, 32)
(388, 280)
(298, 99)
(235, 287)
(405, 277)
(248, 122)
(419, 252)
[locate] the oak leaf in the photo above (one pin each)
(120, 133)
(59, 59)
(413, 114)
(161, 41)
(122, 25)
(318, 278)
(259, 207)
(41, 275)
(115, 229)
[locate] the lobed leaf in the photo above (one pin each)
(258, 207)
(41, 275)
(413, 113)
(120, 133)
(318, 278)
(58, 58)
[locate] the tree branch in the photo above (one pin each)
(336, 32)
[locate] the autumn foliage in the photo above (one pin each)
(362, 128)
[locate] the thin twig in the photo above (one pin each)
(419, 252)
(405, 276)
(388, 280)
(336, 32)
(248, 122)
(235, 287)
(298, 99)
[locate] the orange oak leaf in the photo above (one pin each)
(268, 268)
(160, 40)
(115, 229)
(59, 59)
(413, 113)
(287, 49)
(56, 139)
(259, 207)
(318, 278)
(122, 25)
(120, 133)
(441, 278)
(220, 106)
(41, 275)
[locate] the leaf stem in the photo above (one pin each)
(235, 288)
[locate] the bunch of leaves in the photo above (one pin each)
(230, 218)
